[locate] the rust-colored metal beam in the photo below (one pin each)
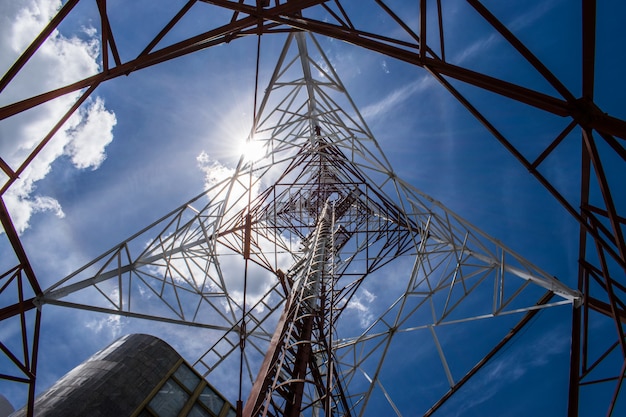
(168, 27)
(23, 105)
(422, 40)
(105, 30)
(606, 309)
(6, 168)
(30, 352)
(108, 41)
(247, 236)
(588, 47)
(553, 144)
(442, 46)
(17, 362)
(302, 360)
(618, 387)
(583, 270)
(47, 139)
(412, 56)
(14, 239)
(259, 387)
(605, 189)
(522, 49)
(30, 412)
(577, 110)
(608, 247)
(287, 14)
(604, 213)
(222, 34)
(573, 396)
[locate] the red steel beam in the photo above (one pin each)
(618, 387)
(606, 309)
(588, 47)
(207, 39)
(17, 308)
(47, 139)
(30, 411)
(107, 37)
(604, 213)
(367, 41)
(14, 239)
(583, 269)
(573, 396)
(522, 49)
(422, 41)
(168, 27)
(302, 360)
(259, 387)
(578, 110)
(605, 189)
(288, 14)
(542, 180)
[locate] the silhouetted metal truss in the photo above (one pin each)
(320, 154)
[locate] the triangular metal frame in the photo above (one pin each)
(264, 220)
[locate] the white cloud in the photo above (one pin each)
(385, 67)
(488, 42)
(217, 173)
(513, 366)
(91, 135)
(360, 303)
(214, 171)
(477, 48)
(59, 60)
(24, 19)
(532, 14)
(109, 323)
(396, 98)
(24, 208)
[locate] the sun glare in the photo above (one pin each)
(252, 150)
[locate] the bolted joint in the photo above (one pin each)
(586, 112)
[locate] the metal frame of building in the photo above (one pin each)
(329, 142)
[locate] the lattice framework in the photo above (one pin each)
(602, 247)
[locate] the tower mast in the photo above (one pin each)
(300, 351)
(323, 204)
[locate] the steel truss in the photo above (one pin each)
(319, 154)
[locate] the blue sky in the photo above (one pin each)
(132, 155)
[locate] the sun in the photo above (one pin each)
(252, 149)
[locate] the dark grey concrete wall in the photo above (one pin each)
(112, 383)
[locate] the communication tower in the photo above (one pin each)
(318, 222)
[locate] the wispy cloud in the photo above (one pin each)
(477, 47)
(512, 367)
(532, 15)
(396, 98)
(384, 66)
(489, 41)
(360, 303)
(110, 323)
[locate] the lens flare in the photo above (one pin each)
(252, 150)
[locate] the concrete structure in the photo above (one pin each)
(5, 406)
(138, 375)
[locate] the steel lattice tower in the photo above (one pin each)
(319, 214)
